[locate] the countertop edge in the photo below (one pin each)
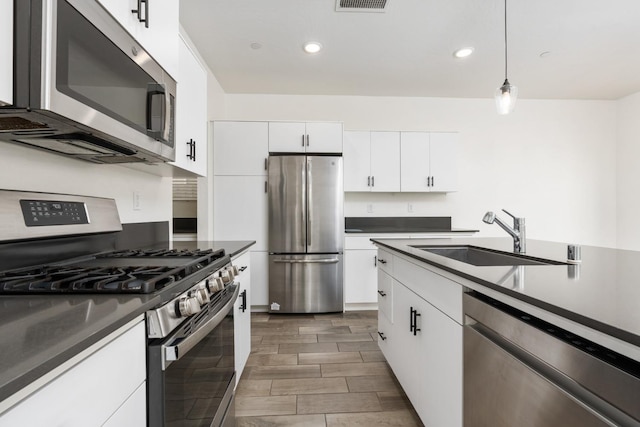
(570, 315)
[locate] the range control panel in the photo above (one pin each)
(47, 212)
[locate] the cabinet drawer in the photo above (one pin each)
(442, 293)
(385, 261)
(385, 296)
(385, 341)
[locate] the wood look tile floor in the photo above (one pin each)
(322, 370)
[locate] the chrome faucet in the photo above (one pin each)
(518, 232)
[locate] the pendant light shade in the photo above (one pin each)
(506, 94)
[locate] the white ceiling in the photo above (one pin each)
(594, 47)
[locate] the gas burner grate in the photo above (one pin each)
(90, 280)
(169, 253)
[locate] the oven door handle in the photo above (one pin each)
(171, 353)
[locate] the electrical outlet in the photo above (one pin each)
(409, 207)
(137, 205)
(369, 208)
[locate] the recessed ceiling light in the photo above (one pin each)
(545, 54)
(463, 52)
(255, 46)
(312, 47)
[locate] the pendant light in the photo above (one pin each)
(506, 94)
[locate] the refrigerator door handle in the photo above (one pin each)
(307, 261)
(309, 206)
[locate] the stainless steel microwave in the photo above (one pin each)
(83, 87)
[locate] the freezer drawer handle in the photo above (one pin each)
(308, 261)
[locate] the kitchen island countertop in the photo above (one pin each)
(40, 332)
(602, 292)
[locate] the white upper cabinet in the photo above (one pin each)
(240, 148)
(191, 113)
(371, 161)
(154, 24)
(300, 137)
(6, 52)
(428, 161)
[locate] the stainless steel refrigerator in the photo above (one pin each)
(306, 228)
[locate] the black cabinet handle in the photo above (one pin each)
(303, 140)
(243, 268)
(382, 336)
(373, 181)
(265, 163)
(413, 321)
(368, 181)
(375, 260)
(382, 261)
(192, 150)
(382, 294)
(138, 12)
(243, 295)
(307, 140)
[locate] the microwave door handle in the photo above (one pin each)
(167, 120)
(156, 89)
(171, 353)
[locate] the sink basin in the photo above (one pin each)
(475, 255)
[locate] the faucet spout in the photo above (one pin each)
(518, 232)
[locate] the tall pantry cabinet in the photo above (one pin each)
(240, 152)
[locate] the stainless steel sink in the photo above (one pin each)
(475, 255)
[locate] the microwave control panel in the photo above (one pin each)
(47, 212)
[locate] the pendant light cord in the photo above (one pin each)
(505, 39)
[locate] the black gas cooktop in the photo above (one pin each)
(124, 271)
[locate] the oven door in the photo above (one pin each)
(191, 372)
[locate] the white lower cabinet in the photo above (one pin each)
(242, 314)
(360, 276)
(423, 345)
(260, 280)
(94, 391)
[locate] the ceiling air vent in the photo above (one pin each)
(361, 5)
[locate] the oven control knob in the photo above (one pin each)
(235, 270)
(186, 307)
(226, 276)
(202, 295)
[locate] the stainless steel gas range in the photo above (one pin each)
(190, 353)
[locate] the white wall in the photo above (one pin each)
(628, 173)
(553, 162)
(33, 170)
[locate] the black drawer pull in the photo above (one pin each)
(382, 336)
(382, 261)
(382, 294)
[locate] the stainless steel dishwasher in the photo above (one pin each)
(522, 371)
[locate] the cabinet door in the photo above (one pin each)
(6, 53)
(191, 115)
(133, 412)
(385, 161)
(408, 367)
(357, 161)
(287, 137)
(361, 276)
(240, 148)
(324, 137)
(444, 161)
(240, 209)
(260, 279)
(414, 161)
(160, 37)
(242, 314)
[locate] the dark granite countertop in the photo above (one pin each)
(401, 224)
(402, 230)
(40, 332)
(602, 292)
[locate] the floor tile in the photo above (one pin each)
(343, 337)
(374, 419)
(272, 359)
(372, 356)
(264, 349)
(280, 372)
(358, 346)
(394, 401)
(289, 339)
(283, 421)
(340, 402)
(269, 329)
(372, 383)
(354, 369)
(309, 386)
(271, 405)
(353, 322)
(337, 357)
(325, 330)
(255, 340)
(254, 388)
(308, 322)
(308, 348)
